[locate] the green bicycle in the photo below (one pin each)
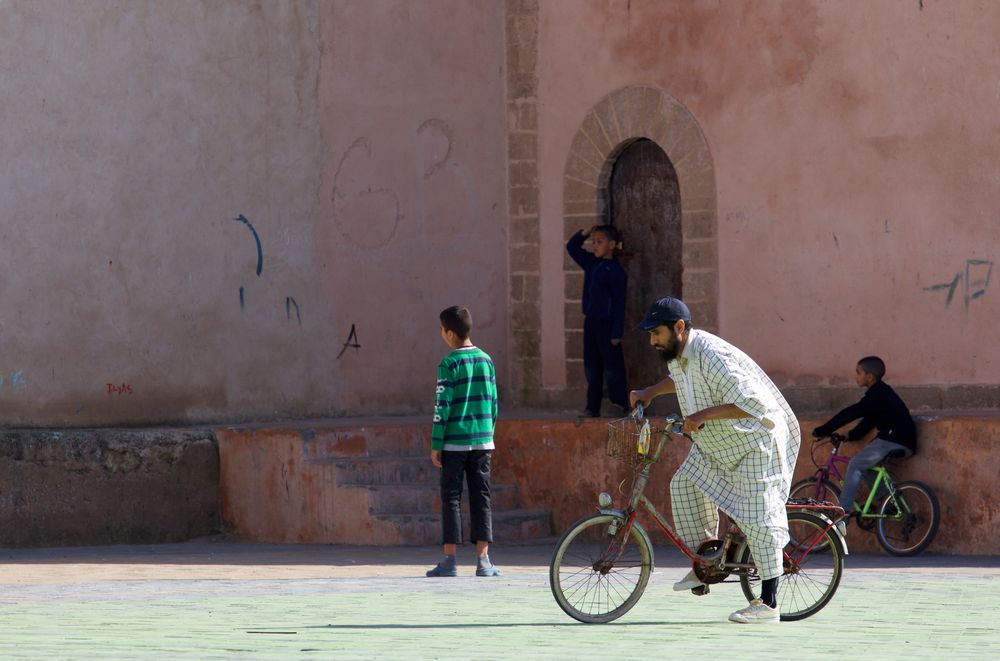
(904, 515)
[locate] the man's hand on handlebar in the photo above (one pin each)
(636, 397)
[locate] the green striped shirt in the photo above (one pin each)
(465, 406)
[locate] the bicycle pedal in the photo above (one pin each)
(700, 591)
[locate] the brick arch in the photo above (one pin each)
(616, 121)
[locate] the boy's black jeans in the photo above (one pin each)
(474, 466)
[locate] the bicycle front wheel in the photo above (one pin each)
(908, 519)
(817, 489)
(598, 572)
(814, 564)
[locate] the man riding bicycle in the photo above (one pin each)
(746, 441)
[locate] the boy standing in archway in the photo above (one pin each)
(603, 302)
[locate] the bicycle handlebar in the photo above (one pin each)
(674, 423)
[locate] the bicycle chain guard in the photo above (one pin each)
(709, 572)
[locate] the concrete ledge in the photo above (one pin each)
(559, 464)
(107, 486)
(275, 482)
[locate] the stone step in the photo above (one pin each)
(326, 445)
(511, 526)
(423, 498)
(387, 470)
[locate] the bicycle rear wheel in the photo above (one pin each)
(909, 519)
(811, 576)
(598, 572)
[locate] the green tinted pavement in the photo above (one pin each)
(212, 600)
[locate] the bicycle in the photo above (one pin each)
(602, 563)
(904, 515)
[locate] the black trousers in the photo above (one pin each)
(474, 467)
(602, 361)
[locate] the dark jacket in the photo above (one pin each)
(880, 408)
(604, 284)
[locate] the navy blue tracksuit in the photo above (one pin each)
(604, 285)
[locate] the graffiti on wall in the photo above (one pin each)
(260, 251)
(119, 389)
(419, 183)
(350, 195)
(260, 254)
(972, 282)
(351, 343)
(14, 381)
(368, 211)
(290, 302)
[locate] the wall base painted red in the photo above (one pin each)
(282, 484)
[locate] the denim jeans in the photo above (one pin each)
(472, 466)
(870, 456)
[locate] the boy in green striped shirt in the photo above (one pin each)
(465, 412)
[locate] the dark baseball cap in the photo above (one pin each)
(667, 310)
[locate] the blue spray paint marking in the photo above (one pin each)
(289, 302)
(260, 252)
(241, 298)
(15, 381)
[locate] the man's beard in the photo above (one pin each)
(670, 351)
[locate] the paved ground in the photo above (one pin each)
(226, 600)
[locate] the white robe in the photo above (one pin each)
(743, 467)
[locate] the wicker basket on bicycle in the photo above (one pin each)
(631, 441)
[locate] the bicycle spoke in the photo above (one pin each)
(594, 577)
(909, 519)
(810, 578)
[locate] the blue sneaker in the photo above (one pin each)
(441, 570)
(492, 570)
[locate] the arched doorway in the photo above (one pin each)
(668, 140)
(644, 203)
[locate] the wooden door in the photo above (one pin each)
(645, 205)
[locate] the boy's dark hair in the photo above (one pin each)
(609, 231)
(872, 365)
(458, 320)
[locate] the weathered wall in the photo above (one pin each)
(562, 465)
(850, 143)
(282, 484)
(389, 158)
(362, 145)
(133, 137)
(412, 205)
(106, 486)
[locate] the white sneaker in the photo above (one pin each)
(756, 613)
(689, 582)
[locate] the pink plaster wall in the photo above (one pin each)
(855, 154)
(412, 208)
(364, 142)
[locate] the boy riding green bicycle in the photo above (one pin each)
(880, 409)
